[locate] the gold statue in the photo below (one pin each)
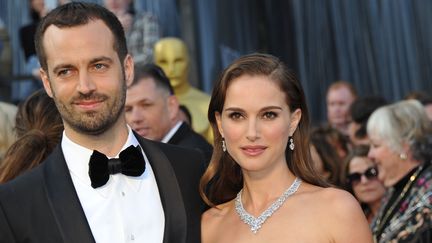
(172, 56)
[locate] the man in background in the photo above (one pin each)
(153, 111)
(339, 97)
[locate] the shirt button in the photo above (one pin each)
(132, 237)
(123, 194)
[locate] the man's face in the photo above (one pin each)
(85, 77)
(338, 103)
(150, 111)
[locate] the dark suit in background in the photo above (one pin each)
(186, 137)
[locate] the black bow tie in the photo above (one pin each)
(130, 163)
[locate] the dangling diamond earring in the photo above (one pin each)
(403, 156)
(291, 143)
(223, 145)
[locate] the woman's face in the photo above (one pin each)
(256, 123)
(318, 162)
(367, 188)
(388, 162)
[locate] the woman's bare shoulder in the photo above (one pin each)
(345, 220)
(212, 221)
(216, 213)
(329, 195)
(339, 199)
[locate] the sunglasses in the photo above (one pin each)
(370, 173)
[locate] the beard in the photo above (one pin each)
(92, 122)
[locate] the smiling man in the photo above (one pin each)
(153, 111)
(78, 194)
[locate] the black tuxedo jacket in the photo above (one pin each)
(186, 137)
(42, 205)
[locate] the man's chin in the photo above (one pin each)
(142, 134)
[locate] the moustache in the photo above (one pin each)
(91, 96)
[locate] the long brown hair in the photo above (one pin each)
(322, 138)
(39, 128)
(223, 178)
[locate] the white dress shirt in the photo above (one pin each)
(171, 132)
(125, 209)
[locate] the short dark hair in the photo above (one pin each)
(421, 96)
(362, 108)
(152, 70)
(76, 14)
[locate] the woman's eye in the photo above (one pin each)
(269, 115)
(235, 115)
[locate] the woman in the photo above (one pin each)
(361, 177)
(401, 138)
(38, 127)
(327, 161)
(261, 163)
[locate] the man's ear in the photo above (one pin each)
(173, 107)
(45, 81)
(219, 123)
(295, 120)
(128, 65)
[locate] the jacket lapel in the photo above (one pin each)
(64, 201)
(182, 130)
(169, 190)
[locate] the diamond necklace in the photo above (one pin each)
(256, 223)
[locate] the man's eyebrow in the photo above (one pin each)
(99, 59)
(62, 66)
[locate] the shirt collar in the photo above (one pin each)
(77, 159)
(171, 132)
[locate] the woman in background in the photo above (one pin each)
(401, 146)
(361, 178)
(39, 128)
(327, 161)
(260, 183)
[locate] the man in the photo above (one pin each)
(77, 194)
(360, 111)
(171, 54)
(340, 95)
(152, 110)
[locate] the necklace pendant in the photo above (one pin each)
(256, 223)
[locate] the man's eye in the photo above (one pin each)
(63, 72)
(99, 66)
